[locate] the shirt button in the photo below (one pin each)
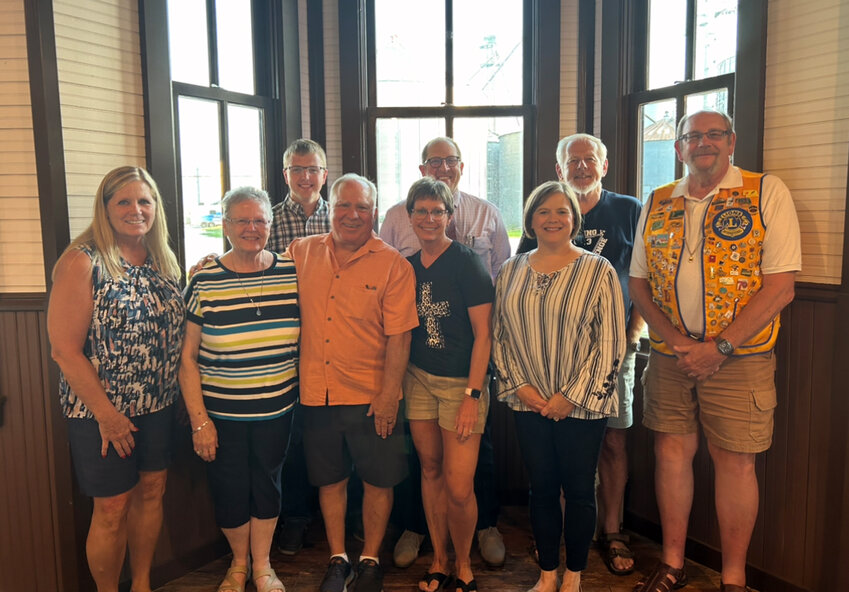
(327, 363)
(333, 297)
(326, 341)
(328, 318)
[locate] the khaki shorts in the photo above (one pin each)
(427, 396)
(734, 406)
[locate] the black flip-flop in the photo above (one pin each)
(472, 585)
(431, 577)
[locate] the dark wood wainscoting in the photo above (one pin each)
(44, 518)
(30, 509)
(801, 477)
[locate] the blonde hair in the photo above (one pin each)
(100, 236)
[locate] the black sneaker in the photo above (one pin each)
(337, 577)
(369, 576)
(290, 537)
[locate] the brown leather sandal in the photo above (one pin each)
(609, 553)
(660, 579)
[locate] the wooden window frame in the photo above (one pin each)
(541, 111)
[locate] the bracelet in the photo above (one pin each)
(200, 427)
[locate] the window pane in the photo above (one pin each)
(187, 41)
(715, 99)
(235, 45)
(409, 53)
(716, 38)
(656, 150)
(667, 42)
(399, 153)
(488, 52)
(244, 140)
(492, 157)
(200, 167)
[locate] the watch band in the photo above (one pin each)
(724, 346)
(473, 393)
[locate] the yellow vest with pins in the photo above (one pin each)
(731, 259)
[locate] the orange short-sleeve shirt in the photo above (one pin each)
(348, 312)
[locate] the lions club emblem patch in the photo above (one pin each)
(732, 223)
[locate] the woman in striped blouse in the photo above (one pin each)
(239, 377)
(558, 339)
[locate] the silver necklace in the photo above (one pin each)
(261, 285)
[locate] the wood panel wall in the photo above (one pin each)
(43, 516)
(806, 123)
(801, 477)
(100, 87)
(21, 264)
(29, 550)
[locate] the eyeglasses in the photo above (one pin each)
(436, 162)
(299, 170)
(712, 135)
(437, 214)
(260, 223)
(587, 162)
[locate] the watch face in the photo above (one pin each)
(724, 347)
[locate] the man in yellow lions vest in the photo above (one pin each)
(714, 263)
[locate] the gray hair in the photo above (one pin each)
(729, 125)
(563, 144)
(430, 188)
(353, 178)
(240, 194)
(439, 140)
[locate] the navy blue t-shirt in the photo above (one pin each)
(608, 230)
(456, 281)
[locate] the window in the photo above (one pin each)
(222, 122)
(691, 61)
(456, 69)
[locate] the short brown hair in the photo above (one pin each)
(542, 193)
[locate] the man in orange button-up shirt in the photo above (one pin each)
(358, 305)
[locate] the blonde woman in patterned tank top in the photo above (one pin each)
(115, 322)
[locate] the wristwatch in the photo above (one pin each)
(724, 346)
(473, 393)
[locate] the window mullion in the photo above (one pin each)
(449, 68)
(212, 41)
(690, 44)
(224, 140)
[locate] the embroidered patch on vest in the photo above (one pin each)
(732, 223)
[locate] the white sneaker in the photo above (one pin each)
(407, 548)
(491, 546)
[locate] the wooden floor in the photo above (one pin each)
(303, 572)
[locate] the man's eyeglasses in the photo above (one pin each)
(712, 135)
(245, 222)
(587, 162)
(299, 170)
(436, 214)
(436, 162)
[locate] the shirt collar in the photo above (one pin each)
(733, 178)
(293, 206)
